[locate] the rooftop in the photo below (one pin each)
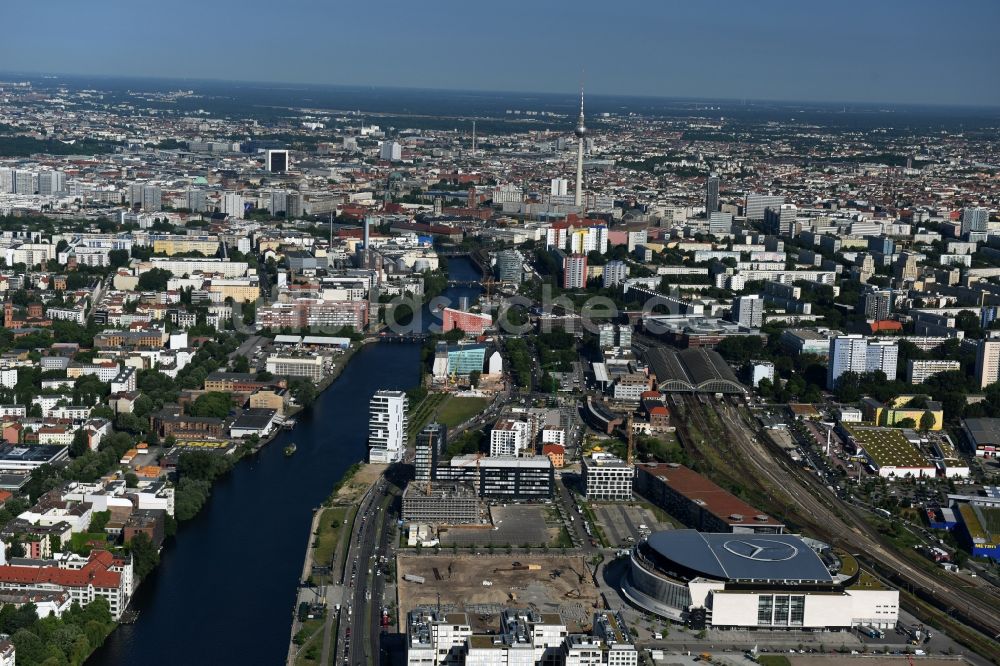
(708, 495)
(742, 557)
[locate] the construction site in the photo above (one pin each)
(482, 586)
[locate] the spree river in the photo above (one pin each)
(225, 589)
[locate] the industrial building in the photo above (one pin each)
(774, 581)
(692, 371)
(698, 502)
(982, 436)
(441, 503)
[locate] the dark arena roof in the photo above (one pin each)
(692, 370)
(737, 557)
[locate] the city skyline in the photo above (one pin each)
(848, 53)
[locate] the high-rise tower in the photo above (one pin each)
(581, 133)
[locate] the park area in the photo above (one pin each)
(443, 408)
(458, 410)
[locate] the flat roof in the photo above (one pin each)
(711, 497)
(742, 557)
(983, 431)
(30, 452)
(888, 447)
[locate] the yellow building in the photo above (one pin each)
(171, 245)
(241, 291)
(902, 408)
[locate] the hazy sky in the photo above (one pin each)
(933, 51)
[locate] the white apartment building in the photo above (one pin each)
(917, 372)
(855, 353)
(988, 362)
(615, 272)
(526, 638)
(509, 438)
(387, 426)
(310, 367)
(553, 435)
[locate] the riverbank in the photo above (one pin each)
(254, 512)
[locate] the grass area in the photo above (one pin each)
(866, 581)
(564, 540)
(78, 542)
(773, 660)
(457, 410)
(422, 413)
(310, 637)
(325, 543)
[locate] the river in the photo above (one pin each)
(225, 588)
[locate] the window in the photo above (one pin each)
(798, 611)
(781, 609)
(765, 607)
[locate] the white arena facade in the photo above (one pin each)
(760, 581)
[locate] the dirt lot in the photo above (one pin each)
(352, 491)
(459, 580)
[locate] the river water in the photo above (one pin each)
(225, 588)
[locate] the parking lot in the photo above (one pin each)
(622, 523)
(513, 525)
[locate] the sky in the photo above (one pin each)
(902, 51)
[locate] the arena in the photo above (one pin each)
(768, 581)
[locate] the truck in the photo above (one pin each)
(413, 578)
(884, 513)
(872, 632)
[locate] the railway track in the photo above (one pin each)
(819, 510)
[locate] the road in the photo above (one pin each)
(359, 630)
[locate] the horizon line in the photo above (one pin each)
(569, 94)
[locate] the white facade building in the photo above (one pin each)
(509, 438)
(854, 353)
(387, 426)
(607, 477)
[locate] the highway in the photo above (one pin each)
(359, 630)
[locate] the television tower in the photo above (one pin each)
(581, 132)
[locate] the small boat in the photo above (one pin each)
(290, 449)
(288, 424)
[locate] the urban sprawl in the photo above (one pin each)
(712, 384)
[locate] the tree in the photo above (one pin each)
(118, 258)
(241, 364)
(927, 421)
(154, 280)
(145, 554)
(131, 480)
(213, 403)
(907, 423)
(474, 378)
(304, 392)
(81, 443)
